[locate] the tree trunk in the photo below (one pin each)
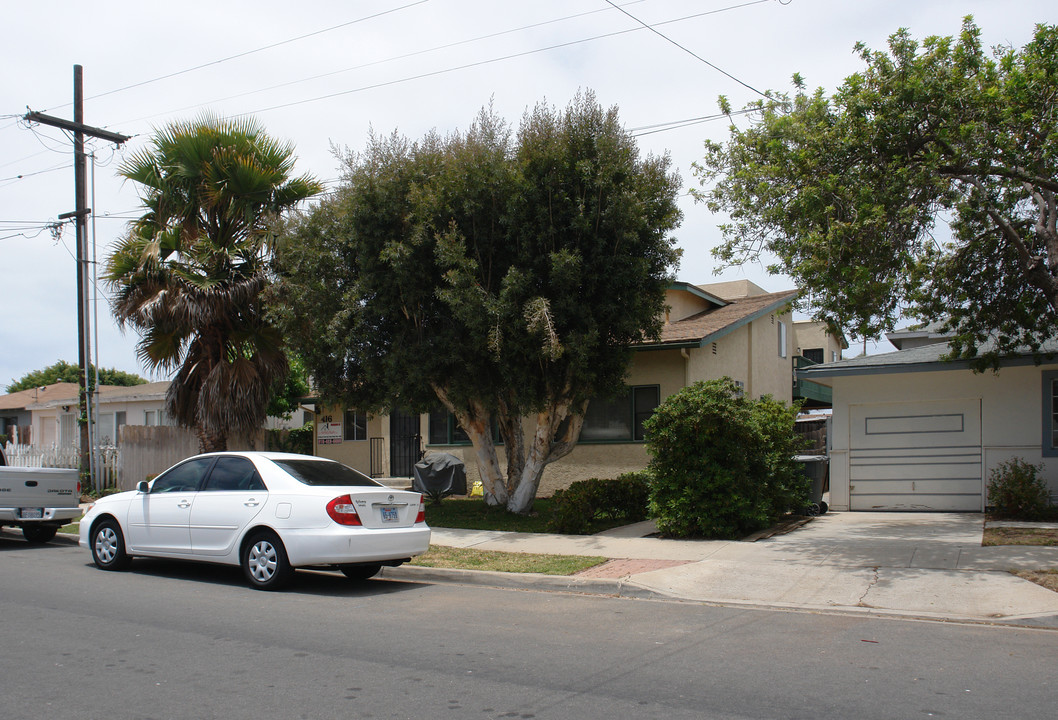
(546, 447)
(208, 442)
(525, 466)
(475, 421)
(513, 435)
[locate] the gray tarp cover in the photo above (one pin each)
(440, 474)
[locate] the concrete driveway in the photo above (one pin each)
(927, 564)
(917, 564)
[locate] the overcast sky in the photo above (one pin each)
(321, 73)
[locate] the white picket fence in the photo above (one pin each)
(107, 460)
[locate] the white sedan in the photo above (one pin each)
(268, 512)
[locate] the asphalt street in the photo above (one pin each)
(177, 640)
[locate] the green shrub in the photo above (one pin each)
(296, 440)
(575, 510)
(1015, 490)
(722, 464)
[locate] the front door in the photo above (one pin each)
(404, 443)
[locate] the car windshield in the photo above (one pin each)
(325, 472)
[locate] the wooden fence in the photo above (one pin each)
(142, 452)
(147, 450)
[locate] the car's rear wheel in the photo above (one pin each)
(108, 546)
(38, 534)
(265, 563)
(360, 572)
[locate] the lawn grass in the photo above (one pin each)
(1046, 537)
(439, 556)
(1040, 537)
(1046, 578)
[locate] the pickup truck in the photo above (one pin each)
(38, 500)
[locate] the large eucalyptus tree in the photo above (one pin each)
(501, 274)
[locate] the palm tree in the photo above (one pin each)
(189, 273)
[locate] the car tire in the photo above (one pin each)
(265, 563)
(360, 572)
(108, 546)
(38, 534)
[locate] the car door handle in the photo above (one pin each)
(251, 503)
(183, 504)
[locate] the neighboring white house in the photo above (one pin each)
(912, 431)
(54, 418)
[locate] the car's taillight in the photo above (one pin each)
(342, 511)
(421, 516)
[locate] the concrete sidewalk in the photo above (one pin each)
(927, 565)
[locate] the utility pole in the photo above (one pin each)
(80, 216)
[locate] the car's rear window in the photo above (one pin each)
(324, 472)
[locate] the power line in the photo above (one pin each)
(435, 73)
(23, 176)
(689, 52)
(393, 58)
(27, 157)
(249, 52)
(678, 124)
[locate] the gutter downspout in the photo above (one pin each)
(686, 366)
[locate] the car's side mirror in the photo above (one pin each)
(143, 486)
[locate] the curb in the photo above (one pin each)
(523, 581)
(624, 588)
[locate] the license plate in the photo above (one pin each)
(389, 514)
(32, 513)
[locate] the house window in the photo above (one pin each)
(355, 425)
(813, 354)
(621, 418)
(148, 417)
(1050, 414)
(445, 429)
(782, 339)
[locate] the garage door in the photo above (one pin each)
(916, 456)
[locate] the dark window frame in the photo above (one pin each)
(1049, 402)
(454, 434)
(350, 426)
(635, 416)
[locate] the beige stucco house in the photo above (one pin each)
(734, 329)
(911, 431)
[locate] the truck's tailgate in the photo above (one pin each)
(38, 487)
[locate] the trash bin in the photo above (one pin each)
(438, 475)
(815, 468)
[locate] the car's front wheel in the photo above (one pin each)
(265, 563)
(38, 534)
(360, 572)
(108, 546)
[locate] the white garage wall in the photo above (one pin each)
(1011, 412)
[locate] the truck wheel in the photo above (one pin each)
(108, 546)
(38, 534)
